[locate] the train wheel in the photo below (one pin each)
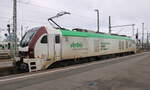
(24, 67)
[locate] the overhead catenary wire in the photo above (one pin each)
(48, 11)
(71, 20)
(51, 10)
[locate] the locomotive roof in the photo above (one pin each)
(66, 32)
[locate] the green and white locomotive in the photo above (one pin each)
(43, 46)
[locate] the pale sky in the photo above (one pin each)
(33, 13)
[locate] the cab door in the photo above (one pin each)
(41, 47)
(57, 47)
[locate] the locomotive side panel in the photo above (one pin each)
(74, 47)
(109, 46)
(77, 47)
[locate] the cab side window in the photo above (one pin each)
(44, 39)
(57, 39)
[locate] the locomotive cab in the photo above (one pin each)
(24, 44)
(33, 44)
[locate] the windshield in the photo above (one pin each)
(27, 37)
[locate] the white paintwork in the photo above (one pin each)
(38, 64)
(51, 46)
(24, 49)
(57, 51)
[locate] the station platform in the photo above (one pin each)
(5, 63)
(122, 73)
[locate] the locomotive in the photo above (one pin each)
(42, 46)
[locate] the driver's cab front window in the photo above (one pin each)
(44, 39)
(28, 37)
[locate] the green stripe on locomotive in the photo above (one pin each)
(93, 35)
